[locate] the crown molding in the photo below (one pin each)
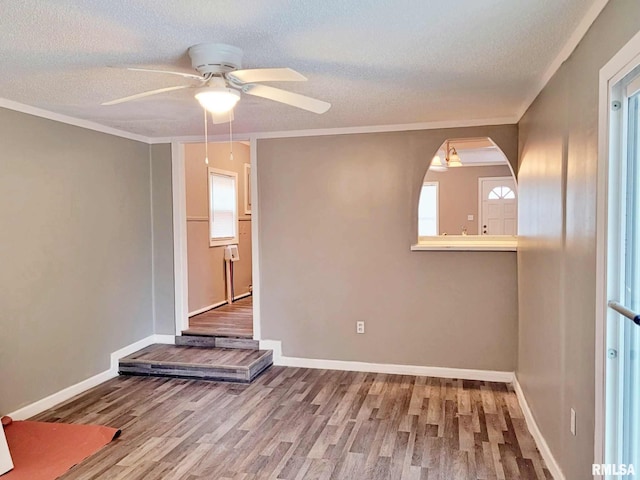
(319, 132)
(245, 137)
(566, 51)
(568, 48)
(77, 122)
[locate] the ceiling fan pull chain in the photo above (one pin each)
(206, 142)
(230, 137)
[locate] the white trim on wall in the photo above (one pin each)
(319, 132)
(396, 369)
(566, 51)
(255, 239)
(65, 394)
(241, 296)
(247, 191)
(223, 241)
(179, 201)
(616, 68)
(577, 35)
(216, 305)
(207, 308)
(76, 122)
(541, 443)
(153, 249)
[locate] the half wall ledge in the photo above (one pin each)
(467, 243)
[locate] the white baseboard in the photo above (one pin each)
(216, 305)
(61, 396)
(276, 346)
(207, 308)
(426, 371)
(164, 339)
(80, 387)
(541, 443)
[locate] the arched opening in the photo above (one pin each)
(469, 190)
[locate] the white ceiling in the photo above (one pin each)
(378, 62)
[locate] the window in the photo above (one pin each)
(223, 207)
(499, 193)
(428, 210)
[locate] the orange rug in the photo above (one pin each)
(44, 451)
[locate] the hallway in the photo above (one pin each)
(235, 320)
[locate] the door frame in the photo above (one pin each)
(482, 179)
(179, 203)
(622, 63)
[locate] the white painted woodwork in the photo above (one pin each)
(498, 215)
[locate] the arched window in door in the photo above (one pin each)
(499, 193)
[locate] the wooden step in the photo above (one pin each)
(223, 364)
(216, 331)
(208, 341)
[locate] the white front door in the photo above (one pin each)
(6, 463)
(498, 206)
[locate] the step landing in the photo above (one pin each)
(209, 341)
(221, 364)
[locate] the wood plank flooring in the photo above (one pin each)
(235, 320)
(306, 424)
(229, 364)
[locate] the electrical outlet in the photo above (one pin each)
(359, 327)
(573, 422)
(470, 217)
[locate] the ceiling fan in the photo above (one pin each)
(221, 81)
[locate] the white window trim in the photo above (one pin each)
(247, 188)
(228, 240)
(622, 63)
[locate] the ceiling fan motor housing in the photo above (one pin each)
(216, 58)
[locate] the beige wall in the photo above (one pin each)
(75, 254)
(556, 257)
(206, 267)
(458, 196)
(337, 217)
(162, 209)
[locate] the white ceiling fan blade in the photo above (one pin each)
(267, 75)
(290, 98)
(170, 72)
(218, 118)
(145, 94)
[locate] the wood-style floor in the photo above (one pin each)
(230, 364)
(306, 424)
(235, 320)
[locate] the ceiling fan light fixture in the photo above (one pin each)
(218, 99)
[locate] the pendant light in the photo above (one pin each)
(451, 159)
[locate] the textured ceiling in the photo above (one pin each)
(378, 62)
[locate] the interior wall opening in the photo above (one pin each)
(218, 239)
(469, 189)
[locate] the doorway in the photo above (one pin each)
(216, 230)
(498, 206)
